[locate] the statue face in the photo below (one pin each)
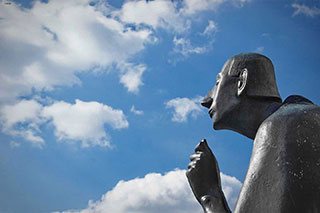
(223, 99)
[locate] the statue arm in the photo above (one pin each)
(204, 178)
(212, 204)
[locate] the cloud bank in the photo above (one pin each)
(47, 45)
(157, 193)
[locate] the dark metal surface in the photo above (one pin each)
(284, 170)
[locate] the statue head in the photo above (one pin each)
(247, 76)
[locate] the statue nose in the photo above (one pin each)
(206, 102)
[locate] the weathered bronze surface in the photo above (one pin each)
(284, 170)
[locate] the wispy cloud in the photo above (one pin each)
(259, 49)
(136, 111)
(192, 7)
(14, 144)
(157, 193)
(184, 107)
(301, 9)
(184, 47)
(210, 29)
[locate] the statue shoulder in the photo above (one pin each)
(292, 119)
(286, 156)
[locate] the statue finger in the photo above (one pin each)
(196, 156)
(192, 164)
(188, 173)
(190, 170)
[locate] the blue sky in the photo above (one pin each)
(99, 100)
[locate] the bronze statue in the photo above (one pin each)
(284, 170)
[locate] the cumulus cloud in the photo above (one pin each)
(301, 9)
(131, 76)
(157, 193)
(22, 119)
(136, 111)
(84, 122)
(231, 187)
(183, 107)
(156, 14)
(48, 44)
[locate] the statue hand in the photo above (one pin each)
(203, 173)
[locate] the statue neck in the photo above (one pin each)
(251, 113)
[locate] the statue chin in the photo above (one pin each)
(217, 125)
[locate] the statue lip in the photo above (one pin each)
(211, 112)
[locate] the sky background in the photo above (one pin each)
(99, 100)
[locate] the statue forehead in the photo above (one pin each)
(227, 67)
(234, 65)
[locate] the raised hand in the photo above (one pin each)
(204, 178)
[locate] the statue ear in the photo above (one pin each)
(242, 81)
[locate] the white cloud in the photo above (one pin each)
(157, 14)
(192, 7)
(305, 10)
(131, 76)
(210, 29)
(23, 111)
(136, 111)
(22, 119)
(184, 47)
(84, 121)
(183, 107)
(231, 187)
(157, 193)
(46, 45)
